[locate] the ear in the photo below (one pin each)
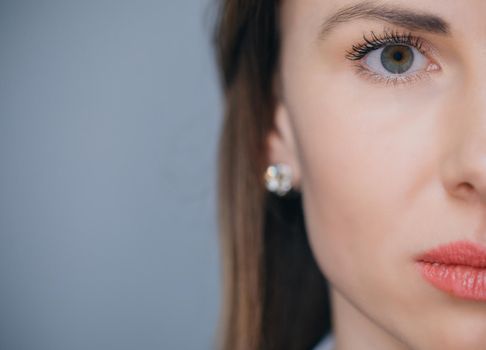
(281, 143)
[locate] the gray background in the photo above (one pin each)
(109, 115)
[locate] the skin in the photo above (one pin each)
(386, 171)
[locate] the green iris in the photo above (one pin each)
(397, 59)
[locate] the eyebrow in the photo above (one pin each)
(410, 19)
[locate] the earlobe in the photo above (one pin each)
(281, 144)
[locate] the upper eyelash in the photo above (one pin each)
(358, 51)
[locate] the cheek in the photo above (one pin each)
(368, 166)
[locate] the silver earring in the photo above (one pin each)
(278, 178)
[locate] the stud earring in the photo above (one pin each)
(278, 178)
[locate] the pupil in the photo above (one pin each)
(398, 56)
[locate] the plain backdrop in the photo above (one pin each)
(109, 119)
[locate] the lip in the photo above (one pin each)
(458, 268)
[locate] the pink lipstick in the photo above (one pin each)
(458, 268)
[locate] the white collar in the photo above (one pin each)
(327, 343)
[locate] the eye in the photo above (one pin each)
(393, 57)
(395, 60)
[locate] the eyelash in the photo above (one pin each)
(359, 51)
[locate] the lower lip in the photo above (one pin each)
(465, 282)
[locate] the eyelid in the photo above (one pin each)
(388, 37)
(390, 79)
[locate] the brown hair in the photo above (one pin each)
(274, 295)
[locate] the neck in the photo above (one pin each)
(354, 330)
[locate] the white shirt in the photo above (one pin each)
(327, 343)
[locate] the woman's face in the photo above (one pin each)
(388, 143)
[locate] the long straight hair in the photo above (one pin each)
(274, 295)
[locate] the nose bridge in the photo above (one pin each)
(464, 167)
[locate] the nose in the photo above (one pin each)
(463, 167)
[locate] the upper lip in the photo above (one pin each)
(463, 253)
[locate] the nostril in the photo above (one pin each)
(463, 171)
(464, 190)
